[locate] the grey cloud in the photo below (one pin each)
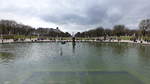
(84, 13)
(92, 15)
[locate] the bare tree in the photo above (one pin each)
(144, 26)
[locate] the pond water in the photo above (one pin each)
(74, 63)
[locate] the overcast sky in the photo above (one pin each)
(75, 15)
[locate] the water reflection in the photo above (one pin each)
(6, 57)
(119, 49)
(61, 52)
(73, 47)
(32, 57)
(144, 51)
(144, 54)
